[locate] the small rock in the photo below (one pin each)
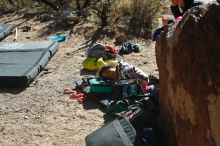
(39, 134)
(26, 29)
(67, 16)
(2, 128)
(120, 38)
(45, 17)
(38, 117)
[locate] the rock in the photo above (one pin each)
(120, 38)
(145, 62)
(68, 53)
(188, 58)
(67, 16)
(39, 134)
(25, 28)
(45, 17)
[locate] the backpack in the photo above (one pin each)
(101, 51)
(128, 88)
(119, 132)
(95, 88)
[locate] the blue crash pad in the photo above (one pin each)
(21, 62)
(5, 29)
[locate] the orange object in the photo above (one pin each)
(178, 2)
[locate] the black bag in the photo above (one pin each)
(116, 133)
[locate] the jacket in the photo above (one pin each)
(179, 11)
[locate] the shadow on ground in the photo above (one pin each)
(98, 33)
(55, 28)
(11, 90)
(85, 72)
(90, 104)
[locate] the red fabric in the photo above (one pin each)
(79, 96)
(178, 18)
(145, 87)
(111, 49)
(76, 94)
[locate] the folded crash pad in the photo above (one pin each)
(5, 29)
(21, 62)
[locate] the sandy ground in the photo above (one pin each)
(41, 114)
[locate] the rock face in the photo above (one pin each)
(188, 58)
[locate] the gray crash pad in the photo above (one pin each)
(21, 62)
(5, 29)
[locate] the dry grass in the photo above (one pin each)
(133, 17)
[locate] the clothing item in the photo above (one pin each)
(126, 71)
(93, 63)
(77, 94)
(159, 30)
(179, 11)
(102, 51)
(128, 48)
(157, 33)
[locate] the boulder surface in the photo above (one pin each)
(188, 58)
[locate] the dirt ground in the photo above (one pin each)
(41, 114)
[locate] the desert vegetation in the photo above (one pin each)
(133, 17)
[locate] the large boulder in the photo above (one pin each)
(188, 58)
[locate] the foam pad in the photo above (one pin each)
(21, 62)
(5, 29)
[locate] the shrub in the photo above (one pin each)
(103, 9)
(142, 17)
(134, 17)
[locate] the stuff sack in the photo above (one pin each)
(98, 50)
(116, 133)
(101, 51)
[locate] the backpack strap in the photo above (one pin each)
(120, 130)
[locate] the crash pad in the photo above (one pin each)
(21, 62)
(5, 29)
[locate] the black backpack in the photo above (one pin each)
(119, 132)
